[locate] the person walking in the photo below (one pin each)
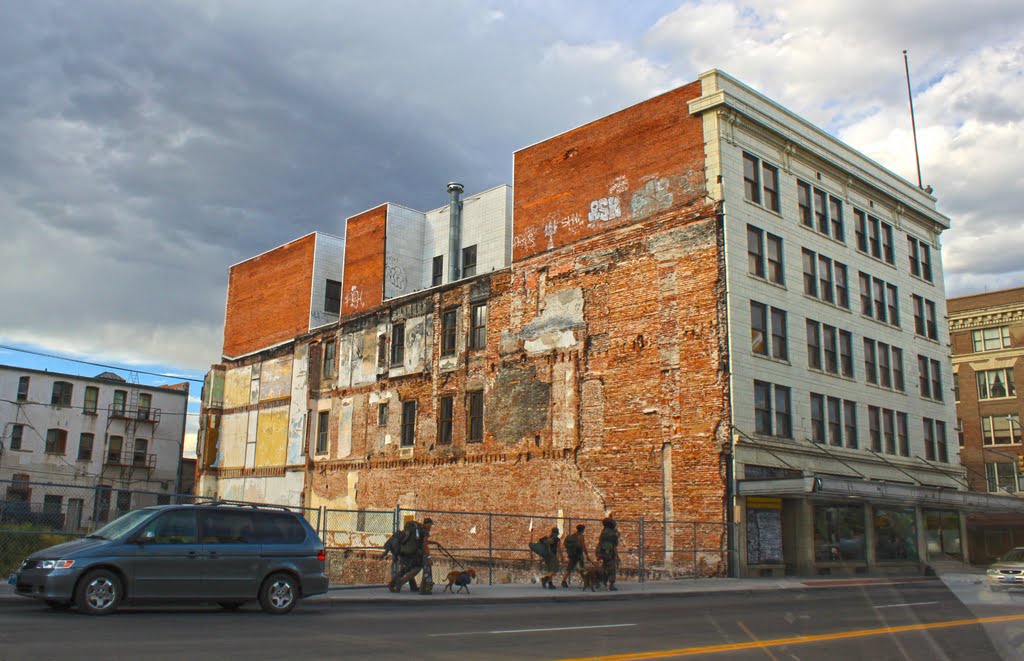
(413, 555)
(608, 550)
(576, 553)
(549, 544)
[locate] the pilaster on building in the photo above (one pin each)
(698, 308)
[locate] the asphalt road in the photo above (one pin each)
(925, 621)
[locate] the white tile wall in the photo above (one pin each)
(403, 261)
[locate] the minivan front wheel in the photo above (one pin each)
(99, 593)
(279, 594)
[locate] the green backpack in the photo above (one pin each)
(572, 544)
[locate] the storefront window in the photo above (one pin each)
(942, 534)
(895, 534)
(838, 533)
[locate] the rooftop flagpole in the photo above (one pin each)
(913, 124)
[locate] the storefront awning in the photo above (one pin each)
(828, 486)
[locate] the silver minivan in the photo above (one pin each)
(219, 553)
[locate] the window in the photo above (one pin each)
(23, 389)
(61, 393)
(956, 387)
(382, 350)
(924, 318)
(901, 434)
(445, 420)
(382, 414)
(114, 449)
(53, 505)
(101, 506)
(476, 416)
(764, 422)
(850, 423)
(840, 530)
(469, 261)
(829, 345)
(987, 339)
(817, 418)
(780, 348)
(397, 344)
(821, 211)
(332, 297)
(124, 503)
(846, 353)
(323, 426)
(140, 451)
(874, 237)
(960, 431)
(56, 441)
(879, 299)
(144, 407)
(760, 182)
(920, 258)
(120, 397)
(935, 440)
(449, 328)
(408, 423)
(762, 248)
(931, 379)
(842, 289)
(329, 355)
(437, 271)
(478, 332)
(1000, 429)
(993, 384)
(759, 337)
(825, 279)
(813, 344)
(92, 396)
(889, 430)
(810, 273)
(1001, 476)
(883, 364)
(85, 447)
(875, 428)
(17, 432)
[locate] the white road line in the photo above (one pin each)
(477, 633)
(916, 603)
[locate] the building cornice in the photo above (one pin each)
(986, 318)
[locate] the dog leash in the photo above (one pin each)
(440, 546)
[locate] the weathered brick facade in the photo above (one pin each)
(364, 260)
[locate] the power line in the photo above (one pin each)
(112, 367)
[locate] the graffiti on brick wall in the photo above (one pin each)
(394, 274)
(354, 298)
(526, 240)
(606, 208)
(655, 196)
(566, 224)
(618, 186)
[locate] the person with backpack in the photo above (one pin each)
(413, 556)
(392, 547)
(608, 550)
(547, 548)
(576, 552)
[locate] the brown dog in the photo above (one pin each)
(593, 577)
(461, 578)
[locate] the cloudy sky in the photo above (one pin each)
(147, 146)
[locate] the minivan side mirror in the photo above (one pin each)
(147, 536)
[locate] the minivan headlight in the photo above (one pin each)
(56, 564)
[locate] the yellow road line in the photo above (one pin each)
(796, 640)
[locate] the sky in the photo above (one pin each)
(147, 146)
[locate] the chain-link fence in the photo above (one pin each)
(37, 515)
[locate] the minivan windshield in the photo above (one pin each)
(1014, 555)
(123, 524)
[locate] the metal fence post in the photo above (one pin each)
(490, 549)
(643, 552)
(695, 547)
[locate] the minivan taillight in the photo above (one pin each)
(321, 556)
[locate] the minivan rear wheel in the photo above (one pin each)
(279, 594)
(99, 593)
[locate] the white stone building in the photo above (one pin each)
(75, 448)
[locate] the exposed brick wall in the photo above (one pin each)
(268, 297)
(363, 282)
(985, 300)
(617, 170)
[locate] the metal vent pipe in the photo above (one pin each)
(454, 231)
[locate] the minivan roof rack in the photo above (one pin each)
(239, 503)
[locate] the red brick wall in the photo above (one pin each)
(985, 300)
(268, 297)
(620, 169)
(363, 282)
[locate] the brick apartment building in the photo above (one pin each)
(698, 308)
(987, 334)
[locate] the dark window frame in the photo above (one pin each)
(332, 297)
(56, 441)
(475, 416)
(469, 261)
(449, 331)
(85, 448)
(323, 428)
(445, 419)
(478, 326)
(437, 271)
(408, 435)
(397, 357)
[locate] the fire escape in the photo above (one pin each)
(132, 459)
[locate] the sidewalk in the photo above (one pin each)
(532, 592)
